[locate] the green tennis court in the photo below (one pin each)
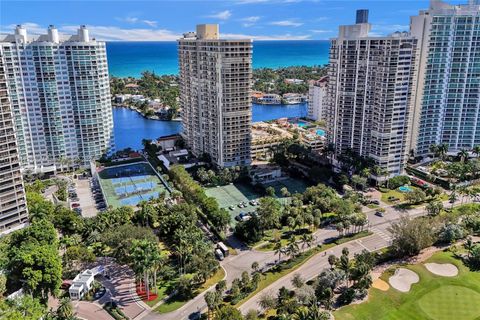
(127, 185)
(292, 185)
(231, 196)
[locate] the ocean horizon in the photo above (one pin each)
(131, 58)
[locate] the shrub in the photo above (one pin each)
(398, 181)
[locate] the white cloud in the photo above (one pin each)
(250, 1)
(135, 20)
(130, 19)
(286, 23)
(32, 28)
(150, 23)
(385, 29)
(320, 31)
(250, 21)
(222, 15)
(111, 33)
(267, 1)
(263, 37)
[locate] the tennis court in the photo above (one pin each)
(233, 195)
(292, 185)
(127, 185)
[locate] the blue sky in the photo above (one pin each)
(167, 19)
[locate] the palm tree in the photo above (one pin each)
(345, 264)
(65, 309)
(212, 299)
(443, 150)
(278, 250)
(292, 247)
(307, 240)
(146, 257)
(255, 266)
(463, 155)
(434, 149)
(476, 150)
(267, 302)
(332, 261)
(469, 245)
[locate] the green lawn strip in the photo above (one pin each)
(393, 193)
(354, 236)
(291, 265)
(266, 247)
(268, 237)
(434, 297)
(176, 302)
(163, 289)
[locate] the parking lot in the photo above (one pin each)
(235, 199)
(90, 199)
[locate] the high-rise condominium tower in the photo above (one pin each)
(60, 96)
(368, 104)
(13, 207)
(448, 89)
(215, 81)
(317, 90)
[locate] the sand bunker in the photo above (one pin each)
(442, 269)
(380, 285)
(403, 279)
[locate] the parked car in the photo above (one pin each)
(243, 216)
(375, 202)
(75, 205)
(219, 254)
(77, 210)
(231, 208)
(379, 214)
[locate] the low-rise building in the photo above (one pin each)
(82, 283)
(294, 81)
(265, 138)
(266, 98)
(293, 98)
(265, 173)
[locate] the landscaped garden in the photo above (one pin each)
(433, 297)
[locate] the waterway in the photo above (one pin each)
(130, 127)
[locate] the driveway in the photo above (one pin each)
(121, 289)
(89, 311)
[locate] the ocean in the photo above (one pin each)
(130, 59)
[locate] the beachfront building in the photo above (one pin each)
(60, 96)
(447, 96)
(13, 206)
(215, 84)
(369, 104)
(317, 91)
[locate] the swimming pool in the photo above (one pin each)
(321, 132)
(302, 124)
(405, 189)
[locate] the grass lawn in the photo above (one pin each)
(433, 298)
(163, 289)
(176, 302)
(393, 193)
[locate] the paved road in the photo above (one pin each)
(314, 266)
(235, 265)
